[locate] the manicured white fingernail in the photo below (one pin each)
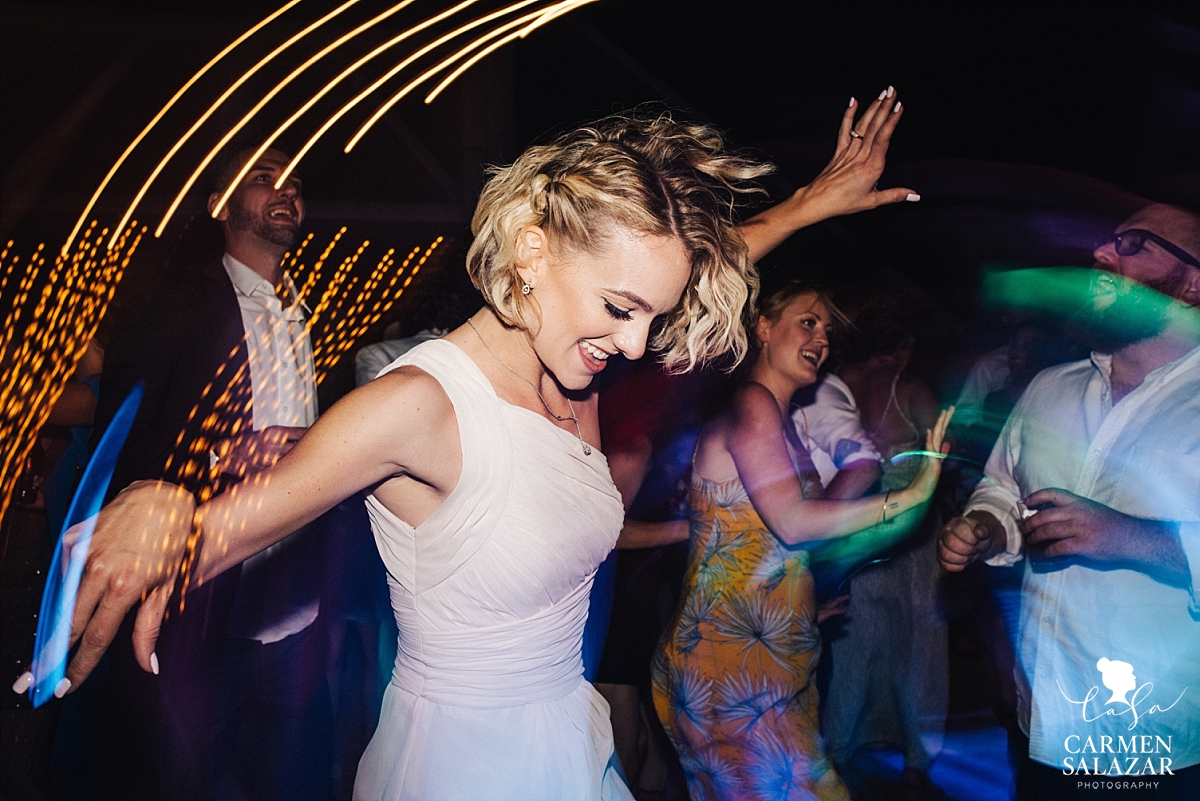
(154, 662)
(852, 102)
(890, 91)
(22, 683)
(912, 197)
(883, 95)
(62, 687)
(896, 110)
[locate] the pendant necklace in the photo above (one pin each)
(587, 449)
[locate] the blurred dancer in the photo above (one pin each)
(829, 422)
(490, 501)
(734, 679)
(889, 683)
(1096, 478)
(241, 707)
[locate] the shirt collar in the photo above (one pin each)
(1190, 360)
(245, 281)
(248, 283)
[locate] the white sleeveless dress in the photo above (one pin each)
(487, 699)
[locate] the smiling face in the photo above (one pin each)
(595, 305)
(258, 210)
(1152, 265)
(1123, 313)
(794, 346)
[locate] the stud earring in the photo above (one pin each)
(526, 289)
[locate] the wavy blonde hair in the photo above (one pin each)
(772, 304)
(640, 172)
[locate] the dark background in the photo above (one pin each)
(1030, 129)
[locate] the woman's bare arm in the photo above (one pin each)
(640, 534)
(401, 427)
(756, 443)
(393, 427)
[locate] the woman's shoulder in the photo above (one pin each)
(913, 390)
(753, 400)
(751, 411)
(406, 390)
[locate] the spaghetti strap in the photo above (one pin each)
(894, 401)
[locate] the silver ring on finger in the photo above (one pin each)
(855, 135)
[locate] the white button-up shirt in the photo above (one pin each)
(1141, 457)
(283, 382)
(282, 376)
(831, 428)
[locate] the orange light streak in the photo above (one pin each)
(162, 112)
(438, 68)
(342, 76)
(296, 73)
(217, 104)
(553, 11)
(390, 73)
(542, 19)
(43, 336)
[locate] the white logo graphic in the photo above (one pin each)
(1118, 755)
(1118, 677)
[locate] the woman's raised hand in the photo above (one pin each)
(846, 185)
(926, 479)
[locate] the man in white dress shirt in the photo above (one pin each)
(1096, 478)
(241, 708)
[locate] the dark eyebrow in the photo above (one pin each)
(266, 166)
(634, 299)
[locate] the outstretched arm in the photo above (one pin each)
(401, 427)
(845, 186)
(756, 443)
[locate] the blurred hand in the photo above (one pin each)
(926, 479)
(832, 608)
(1069, 525)
(140, 542)
(962, 540)
(255, 451)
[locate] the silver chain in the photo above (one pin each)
(587, 449)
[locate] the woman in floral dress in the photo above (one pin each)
(734, 676)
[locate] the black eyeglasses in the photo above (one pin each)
(1131, 241)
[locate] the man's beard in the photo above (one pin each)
(1137, 312)
(241, 219)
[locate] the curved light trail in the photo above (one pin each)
(541, 20)
(441, 65)
(312, 101)
(293, 75)
(388, 75)
(217, 104)
(161, 113)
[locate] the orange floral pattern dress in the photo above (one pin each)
(734, 677)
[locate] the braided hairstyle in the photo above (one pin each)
(645, 173)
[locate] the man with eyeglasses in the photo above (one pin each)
(1096, 478)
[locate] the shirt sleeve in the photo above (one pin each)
(999, 493)
(986, 376)
(1189, 538)
(373, 358)
(835, 426)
